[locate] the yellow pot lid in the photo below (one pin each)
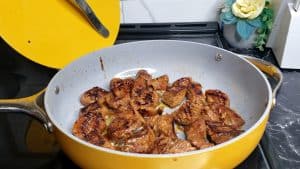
(53, 32)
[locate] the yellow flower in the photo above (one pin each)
(249, 9)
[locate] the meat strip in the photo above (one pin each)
(167, 145)
(184, 115)
(90, 126)
(121, 87)
(196, 134)
(217, 97)
(219, 132)
(162, 125)
(131, 134)
(176, 93)
(160, 83)
(93, 95)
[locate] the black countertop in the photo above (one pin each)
(282, 139)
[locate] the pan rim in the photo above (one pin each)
(139, 155)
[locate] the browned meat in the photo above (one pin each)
(183, 82)
(196, 134)
(142, 81)
(131, 134)
(96, 108)
(160, 83)
(162, 125)
(122, 128)
(93, 95)
(173, 96)
(146, 102)
(219, 132)
(118, 103)
(139, 144)
(184, 115)
(176, 93)
(167, 145)
(194, 90)
(217, 97)
(120, 87)
(196, 100)
(229, 117)
(197, 104)
(143, 99)
(90, 127)
(210, 113)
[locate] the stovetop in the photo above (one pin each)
(25, 144)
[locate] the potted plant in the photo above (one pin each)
(247, 23)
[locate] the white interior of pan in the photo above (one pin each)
(248, 90)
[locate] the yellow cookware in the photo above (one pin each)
(248, 88)
(53, 32)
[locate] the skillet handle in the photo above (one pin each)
(271, 70)
(32, 105)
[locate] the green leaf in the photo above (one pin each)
(264, 18)
(244, 29)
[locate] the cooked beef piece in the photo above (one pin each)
(93, 95)
(131, 134)
(197, 104)
(162, 125)
(90, 127)
(185, 116)
(160, 83)
(125, 127)
(173, 96)
(138, 144)
(141, 82)
(118, 103)
(143, 99)
(196, 134)
(167, 145)
(97, 108)
(210, 113)
(220, 132)
(121, 87)
(194, 90)
(147, 111)
(183, 82)
(146, 102)
(229, 117)
(143, 74)
(176, 93)
(217, 97)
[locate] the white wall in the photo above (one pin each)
(141, 11)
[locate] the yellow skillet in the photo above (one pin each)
(53, 32)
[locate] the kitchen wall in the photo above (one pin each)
(140, 11)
